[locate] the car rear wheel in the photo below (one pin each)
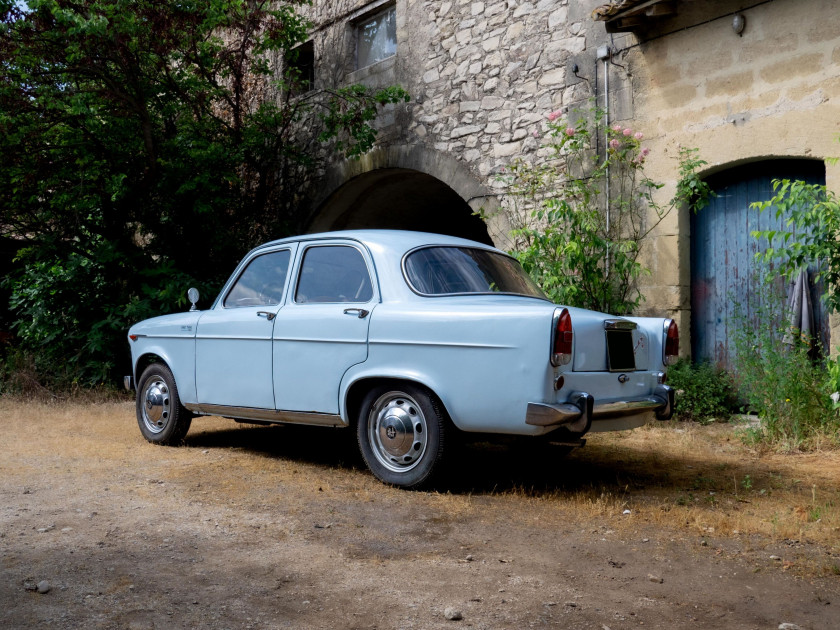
(401, 432)
(162, 418)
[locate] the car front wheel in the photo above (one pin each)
(401, 432)
(162, 418)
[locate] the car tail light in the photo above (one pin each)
(562, 337)
(672, 342)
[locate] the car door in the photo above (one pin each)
(323, 329)
(234, 338)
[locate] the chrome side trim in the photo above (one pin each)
(442, 344)
(267, 415)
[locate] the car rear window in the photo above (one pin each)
(448, 270)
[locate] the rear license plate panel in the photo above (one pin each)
(620, 356)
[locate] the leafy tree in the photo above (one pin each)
(145, 146)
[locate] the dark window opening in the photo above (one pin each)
(301, 68)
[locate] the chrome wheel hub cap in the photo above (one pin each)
(397, 431)
(156, 404)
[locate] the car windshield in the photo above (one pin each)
(447, 270)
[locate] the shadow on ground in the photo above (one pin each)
(486, 467)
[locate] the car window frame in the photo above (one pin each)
(366, 259)
(460, 293)
(244, 264)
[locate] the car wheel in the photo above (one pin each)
(162, 418)
(401, 432)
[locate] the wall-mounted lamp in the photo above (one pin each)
(738, 23)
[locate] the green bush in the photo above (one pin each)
(578, 220)
(703, 392)
(781, 382)
(795, 396)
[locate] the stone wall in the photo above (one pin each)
(492, 73)
(483, 74)
(773, 91)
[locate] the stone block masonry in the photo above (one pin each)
(503, 64)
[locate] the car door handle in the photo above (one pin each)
(266, 314)
(360, 312)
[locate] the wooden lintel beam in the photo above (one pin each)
(661, 9)
(625, 24)
(635, 18)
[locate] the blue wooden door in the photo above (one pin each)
(723, 267)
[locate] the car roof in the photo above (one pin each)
(398, 241)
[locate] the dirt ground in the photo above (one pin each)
(280, 527)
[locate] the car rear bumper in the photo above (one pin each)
(581, 410)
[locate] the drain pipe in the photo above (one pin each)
(604, 53)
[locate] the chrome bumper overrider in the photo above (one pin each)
(127, 383)
(577, 414)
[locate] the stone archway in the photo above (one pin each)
(411, 188)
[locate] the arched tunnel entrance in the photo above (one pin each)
(399, 199)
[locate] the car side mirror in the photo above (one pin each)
(192, 296)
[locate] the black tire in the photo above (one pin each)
(161, 416)
(402, 430)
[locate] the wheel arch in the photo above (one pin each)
(355, 392)
(145, 360)
(180, 360)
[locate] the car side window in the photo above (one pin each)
(262, 282)
(333, 273)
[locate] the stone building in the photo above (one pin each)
(754, 85)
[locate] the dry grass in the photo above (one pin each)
(684, 479)
(704, 480)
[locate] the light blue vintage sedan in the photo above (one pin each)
(408, 338)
